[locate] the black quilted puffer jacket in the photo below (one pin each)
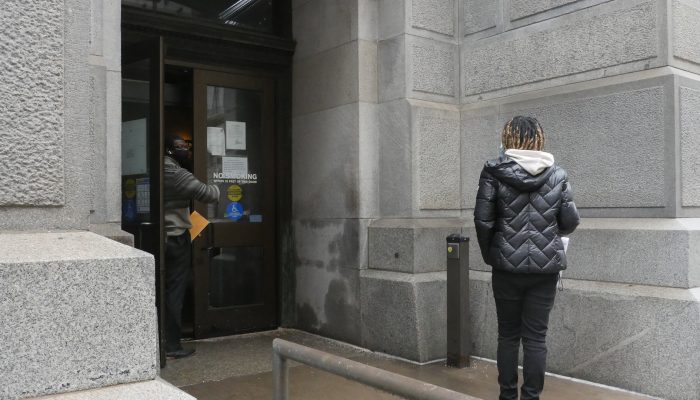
(519, 217)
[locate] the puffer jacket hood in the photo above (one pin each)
(513, 174)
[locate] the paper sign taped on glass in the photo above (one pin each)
(235, 135)
(216, 141)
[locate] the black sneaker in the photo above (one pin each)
(181, 353)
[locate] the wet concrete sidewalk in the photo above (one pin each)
(239, 368)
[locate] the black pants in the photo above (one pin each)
(523, 303)
(178, 260)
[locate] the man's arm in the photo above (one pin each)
(187, 185)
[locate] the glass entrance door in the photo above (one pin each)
(235, 274)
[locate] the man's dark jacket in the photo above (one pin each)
(519, 217)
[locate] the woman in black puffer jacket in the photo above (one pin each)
(523, 207)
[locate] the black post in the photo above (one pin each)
(458, 333)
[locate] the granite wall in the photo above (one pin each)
(60, 97)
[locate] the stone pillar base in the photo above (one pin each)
(78, 313)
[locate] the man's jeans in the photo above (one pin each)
(178, 270)
(523, 303)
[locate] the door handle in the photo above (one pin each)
(211, 251)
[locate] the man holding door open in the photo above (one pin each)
(180, 187)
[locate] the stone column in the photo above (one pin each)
(334, 153)
(403, 290)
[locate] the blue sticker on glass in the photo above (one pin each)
(129, 209)
(234, 211)
(255, 218)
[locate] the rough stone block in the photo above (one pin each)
(404, 314)
(481, 136)
(479, 15)
(32, 103)
(649, 251)
(686, 18)
(156, 389)
(434, 15)
(78, 312)
(588, 131)
(410, 245)
(433, 67)
(321, 25)
(524, 8)
(326, 80)
(690, 145)
(328, 301)
(418, 68)
(640, 338)
(325, 163)
(438, 159)
(601, 37)
(67, 122)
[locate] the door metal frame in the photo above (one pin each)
(154, 51)
(239, 319)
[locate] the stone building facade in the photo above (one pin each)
(395, 106)
(399, 102)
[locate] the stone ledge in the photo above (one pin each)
(113, 231)
(78, 313)
(411, 245)
(157, 389)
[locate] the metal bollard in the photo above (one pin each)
(458, 327)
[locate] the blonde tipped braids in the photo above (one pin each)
(523, 133)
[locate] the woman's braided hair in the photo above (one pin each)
(523, 133)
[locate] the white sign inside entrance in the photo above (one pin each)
(134, 147)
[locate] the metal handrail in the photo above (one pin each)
(390, 382)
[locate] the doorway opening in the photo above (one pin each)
(228, 121)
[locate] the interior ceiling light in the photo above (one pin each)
(236, 9)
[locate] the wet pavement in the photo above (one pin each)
(239, 368)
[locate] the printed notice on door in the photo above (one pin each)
(234, 167)
(216, 141)
(235, 135)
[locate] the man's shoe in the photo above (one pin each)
(181, 353)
